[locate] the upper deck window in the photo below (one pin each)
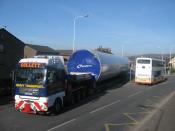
(143, 61)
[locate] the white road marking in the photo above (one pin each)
(135, 94)
(63, 124)
(160, 84)
(157, 109)
(101, 108)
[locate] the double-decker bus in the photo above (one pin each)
(149, 70)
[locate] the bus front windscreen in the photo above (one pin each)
(30, 76)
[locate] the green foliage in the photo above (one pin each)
(104, 50)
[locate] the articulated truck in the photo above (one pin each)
(42, 84)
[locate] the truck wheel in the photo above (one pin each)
(57, 106)
(72, 99)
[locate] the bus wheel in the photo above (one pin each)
(57, 106)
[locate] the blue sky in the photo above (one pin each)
(140, 26)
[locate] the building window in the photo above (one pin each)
(1, 48)
(2, 36)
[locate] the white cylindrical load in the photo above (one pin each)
(101, 65)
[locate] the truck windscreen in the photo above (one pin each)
(30, 76)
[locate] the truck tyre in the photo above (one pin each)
(57, 106)
(70, 99)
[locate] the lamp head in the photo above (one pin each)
(86, 15)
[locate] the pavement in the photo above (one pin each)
(167, 118)
(6, 101)
(120, 106)
(163, 117)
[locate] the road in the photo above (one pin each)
(119, 107)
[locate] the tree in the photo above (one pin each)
(104, 50)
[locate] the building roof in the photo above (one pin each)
(9, 35)
(41, 48)
(65, 52)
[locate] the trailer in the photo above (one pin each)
(89, 68)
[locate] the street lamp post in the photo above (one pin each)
(122, 50)
(161, 52)
(170, 65)
(75, 18)
(162, 57)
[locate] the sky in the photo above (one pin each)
(137, 26)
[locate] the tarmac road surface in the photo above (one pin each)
(120, 107)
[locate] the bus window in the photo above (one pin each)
(157, 63)
(141, 61)
(157, 73)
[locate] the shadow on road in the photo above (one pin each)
(102, 89)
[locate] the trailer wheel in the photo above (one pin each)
(94, 85)
(57, 106)
(78, 96)
(92, 88)
(83, 94)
